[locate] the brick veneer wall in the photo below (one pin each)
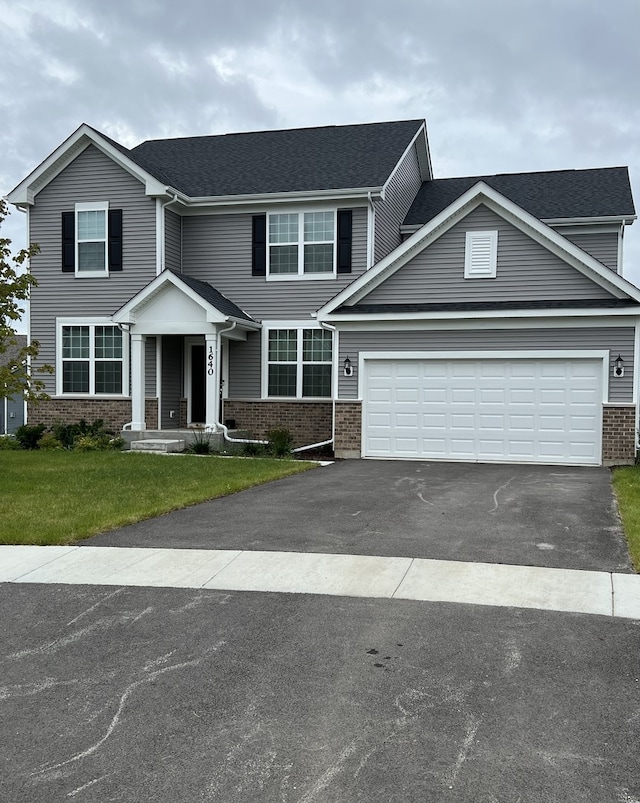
(348, 429)
(114, 412)
(618, 435)
(308, 422)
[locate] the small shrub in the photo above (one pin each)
(280, 442)
(8, 443)
(98, 436)
(28, 436)
(200, 443)
(253, 449)
(48, 442)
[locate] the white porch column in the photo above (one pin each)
(137, 383)
(212, 382)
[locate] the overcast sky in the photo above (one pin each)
(505, 85)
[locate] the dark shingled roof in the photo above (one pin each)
(213, 297)
(596, 192)
(473, 306)
(12, 350)
(296, 160)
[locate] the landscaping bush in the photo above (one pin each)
(280, 442)
(29, 436)
(8, 443)
(48, 442)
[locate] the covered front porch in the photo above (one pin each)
(179, 332)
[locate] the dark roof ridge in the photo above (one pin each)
(416, 120)
(532, 173)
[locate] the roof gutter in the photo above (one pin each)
(278, 197)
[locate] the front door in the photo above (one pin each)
(197, 389)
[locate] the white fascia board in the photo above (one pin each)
(422, 157)
(482, 325)
(465, 315)
(25, 192)
(481, 193)
(589, 221)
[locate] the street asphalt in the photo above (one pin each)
(147, 694)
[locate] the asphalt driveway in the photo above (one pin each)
(525, 515)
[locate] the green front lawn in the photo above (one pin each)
(626, 483)
(59, 497)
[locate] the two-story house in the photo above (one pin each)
(322, 280)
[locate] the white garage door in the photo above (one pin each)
(519, 410)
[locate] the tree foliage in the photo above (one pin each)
(16, 375)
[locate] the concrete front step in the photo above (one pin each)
(158, 445)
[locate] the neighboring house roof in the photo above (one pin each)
(213, 297)
(553, 195)
(296, 160)
(12, 350)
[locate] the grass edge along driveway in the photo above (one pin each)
(626, 484)
(60, 497)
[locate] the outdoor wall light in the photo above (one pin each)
(348, 368)
(618, 366)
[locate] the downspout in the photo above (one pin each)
(161, 266)
(219, 425)
(329, 328)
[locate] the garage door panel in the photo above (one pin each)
(546, 410)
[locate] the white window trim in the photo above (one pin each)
(299, 326)
(91, 322)
(96, 206)
(301, 275)
(473, 270)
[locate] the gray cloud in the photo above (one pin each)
(504, 85)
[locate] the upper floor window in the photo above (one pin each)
(302, 243)
(481, 255)
(92, 240)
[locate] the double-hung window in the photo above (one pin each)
(91, 238)
(299, 363)
(302, 244)
(92, 359)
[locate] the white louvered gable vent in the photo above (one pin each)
(481, 255)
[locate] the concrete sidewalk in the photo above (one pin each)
(600, 593)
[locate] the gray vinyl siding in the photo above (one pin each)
(617, 339)
(244, 367)
(399, 195)
(602, 246)
(150, 367)
(217, 249)
(92, 176)
(172, 357)
(14, 418)
(526, 271)
(172, 241)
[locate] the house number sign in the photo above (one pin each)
(210, 361)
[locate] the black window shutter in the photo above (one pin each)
(259, 246)
(345, 221)
(68, 242)
(115, 239)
